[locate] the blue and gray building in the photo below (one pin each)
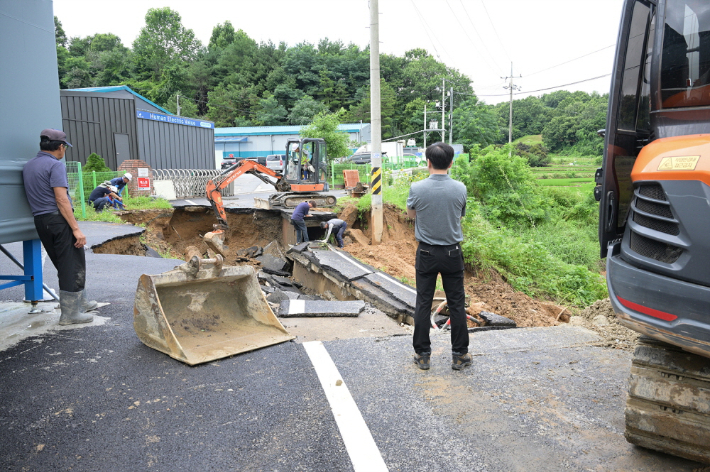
(256, 141)
(119, 124)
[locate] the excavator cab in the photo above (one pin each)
(306, 165)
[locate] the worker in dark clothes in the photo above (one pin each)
(121, 182)
(46, 187)
(438, 204)
(337, 227)
(297, 220)
(102, 195)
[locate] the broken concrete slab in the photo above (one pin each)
(493, 319)
(394, 287)
(285, 281)
(341, 264)
(279, 296)
(315, 308)
(274, 265)
(150, 252)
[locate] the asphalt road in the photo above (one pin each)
(95, 398)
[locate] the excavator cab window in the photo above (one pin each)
(685, 63)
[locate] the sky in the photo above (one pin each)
(550, 43)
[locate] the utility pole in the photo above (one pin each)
(178, 104)
(451, 116)
(376, 123)
(443, 110)
(510, 114)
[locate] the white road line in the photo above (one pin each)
(365, 269)
(296, 306)
(191, 202)
(361, 447)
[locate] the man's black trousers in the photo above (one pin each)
(58, 240)
(447, 261)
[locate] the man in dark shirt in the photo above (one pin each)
(439, 203)
(102, 195)
(297, 220)
(46, 187)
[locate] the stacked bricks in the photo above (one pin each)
(132, 166)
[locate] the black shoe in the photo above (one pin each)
(422, 361)
(459, 361)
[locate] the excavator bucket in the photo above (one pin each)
(197, 315)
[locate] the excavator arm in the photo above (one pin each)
(213, 190)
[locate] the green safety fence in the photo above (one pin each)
(82, 183)
(336, 169)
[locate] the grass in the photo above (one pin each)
(530, 139)
(131, 203)
(575, 182)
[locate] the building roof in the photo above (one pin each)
(271, 130)
(118, 88)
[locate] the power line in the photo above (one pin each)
(494, 29)
(571, 60)
(476, 31)
(548, 88)
(426, 30)
(469, 37)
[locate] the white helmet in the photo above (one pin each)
(113, 188)
(128, 175)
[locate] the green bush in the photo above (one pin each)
(95, 163)
(503, 185)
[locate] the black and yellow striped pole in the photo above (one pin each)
(375, 124)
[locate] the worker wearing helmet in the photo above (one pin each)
(102, 195)
(121, 182)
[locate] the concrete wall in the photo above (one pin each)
(29, 100)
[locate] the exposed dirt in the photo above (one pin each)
(600, 317)
(170, 232)
(395, 255)
(130, 246)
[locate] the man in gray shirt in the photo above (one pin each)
(438, 204)
(46, 187)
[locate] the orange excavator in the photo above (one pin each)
(654, 214)
(302, 178)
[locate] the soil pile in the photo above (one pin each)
(600, 317)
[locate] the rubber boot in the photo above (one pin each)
(87, 305)
(70, 303)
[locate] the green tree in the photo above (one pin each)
(222, 36)
(161, 42)
(475, 123)
(325, 126)
(60, 36)
(269, 112)
(304, 110)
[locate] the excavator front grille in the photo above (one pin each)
(653, 249)
(651, 210)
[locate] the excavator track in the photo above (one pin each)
(668, 406)
(292, 199)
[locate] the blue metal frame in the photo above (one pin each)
(32, 278)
